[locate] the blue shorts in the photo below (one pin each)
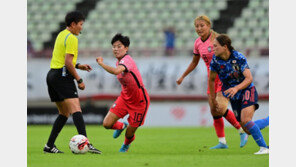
(247, 98)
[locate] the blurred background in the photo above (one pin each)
(162, 36)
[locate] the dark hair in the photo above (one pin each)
(123, 39)
(74, 16)
(223, 39)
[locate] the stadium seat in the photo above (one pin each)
(142, 19)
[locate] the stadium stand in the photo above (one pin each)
(43, 18)
(251, 29)
(144, 20)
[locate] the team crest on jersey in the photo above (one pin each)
(235, 67)
(209, 49)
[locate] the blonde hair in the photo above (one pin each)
(208, 21)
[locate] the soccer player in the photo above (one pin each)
(60, 80)
(233, 71)
(203, 47)
(133, 100)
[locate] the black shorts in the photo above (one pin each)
(248, 97)
(60, 87)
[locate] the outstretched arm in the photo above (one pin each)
(84, 67)
(190, 68)
(119, 69)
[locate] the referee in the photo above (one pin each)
(60, 80)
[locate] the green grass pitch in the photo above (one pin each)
(153, 146)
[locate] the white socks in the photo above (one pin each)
(240, 130)
(222, 140)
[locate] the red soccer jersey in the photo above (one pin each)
(131, 82)
(205, 50)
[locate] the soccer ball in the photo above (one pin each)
(79, 144)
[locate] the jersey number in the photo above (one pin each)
(247, 95)
(138, 117)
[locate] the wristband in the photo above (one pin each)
(80, 81)
(76, 66)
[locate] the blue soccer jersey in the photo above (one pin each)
(230, 71)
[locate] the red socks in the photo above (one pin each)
(229, 115)
(219, 126)
(128, 141)
(117, 125)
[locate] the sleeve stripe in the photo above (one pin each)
(126, 70)
(66, 39)
(196, 54)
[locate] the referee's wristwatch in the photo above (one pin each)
(79, 81)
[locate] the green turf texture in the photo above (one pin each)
(153, 146)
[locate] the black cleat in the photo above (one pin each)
(93, 150)
(54, 149)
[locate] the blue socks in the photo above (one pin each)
(262, 123)
(256, 133)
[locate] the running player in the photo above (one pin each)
(233, 70)
(133, 100)
(60, 80)
(203, 47)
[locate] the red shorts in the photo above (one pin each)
(218, 85)
(137, 112)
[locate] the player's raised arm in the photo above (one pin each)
(119, 69)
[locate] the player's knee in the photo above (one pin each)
(245, 129)
(245, 121)
(64, 114)
(215, 112)
(107, 125)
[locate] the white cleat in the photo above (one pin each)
(263, 150)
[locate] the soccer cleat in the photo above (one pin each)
(54, 149)
(220, 146)
(124, 148)
(117, 132)
(263, 150)
(243, 139)
(92, 149)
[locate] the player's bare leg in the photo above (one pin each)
(111, 122)
(218, 124)
(230, 117)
